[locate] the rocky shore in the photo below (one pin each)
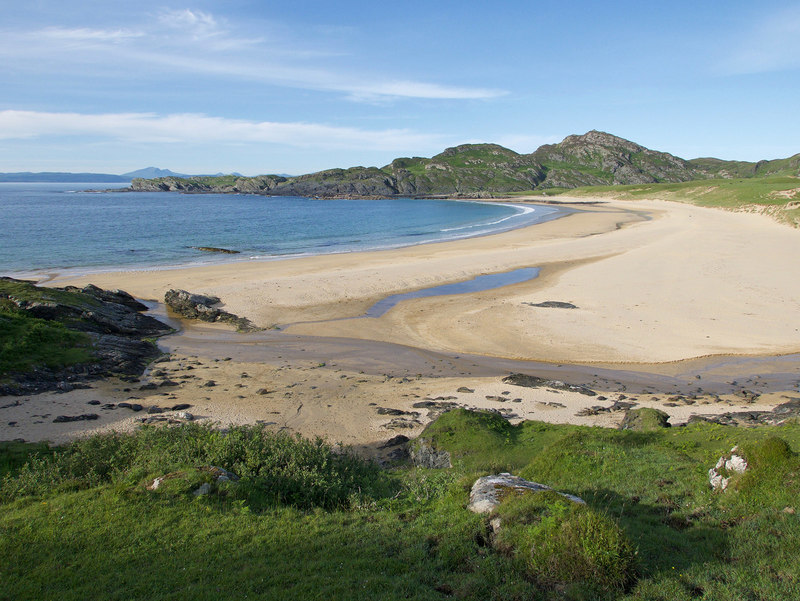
(121, 335)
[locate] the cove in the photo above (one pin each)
(480, 283)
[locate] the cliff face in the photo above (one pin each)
(486, 170)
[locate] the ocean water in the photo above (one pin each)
(61, 227)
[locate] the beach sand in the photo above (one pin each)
(653, 282)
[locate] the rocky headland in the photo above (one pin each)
(120, 337)
(486, 171)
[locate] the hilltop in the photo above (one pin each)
(486, 170)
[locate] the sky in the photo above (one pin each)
(261, 87)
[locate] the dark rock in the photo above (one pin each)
(148, 386)
(466, 390)
(75, 418)
(210, 384)
(199, 306)
(214, 249)
(154, 409)
(553, 305)
(131, 406)
(536, 382)
(389, 411)
(93, 402)
(394, 441)
(180, 407)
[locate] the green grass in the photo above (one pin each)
(27, 343)
(732, 194)
(308, 521)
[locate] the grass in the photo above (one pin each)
(27, 343)
(310, 521)
(763, 194)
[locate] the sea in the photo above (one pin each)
(51, 227)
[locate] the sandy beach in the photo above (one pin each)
(653, 283)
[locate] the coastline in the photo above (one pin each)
(650, 279)
(653, 282)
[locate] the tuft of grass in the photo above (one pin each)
(564, 545)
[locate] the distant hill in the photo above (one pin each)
(55, 176)
(486, 170)
(91, 178)
(152, 172)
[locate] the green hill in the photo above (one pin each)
(487, 170)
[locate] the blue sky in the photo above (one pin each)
(294, 87)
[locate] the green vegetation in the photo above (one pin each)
(27, 342)
(309, 521)
(559, 543)
(778, 196)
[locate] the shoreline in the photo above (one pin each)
(664, 263)
(650, 280)
(45, 275)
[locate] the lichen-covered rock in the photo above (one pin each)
(488, 491)
(424, 455)
(729, 464)
(201, 306)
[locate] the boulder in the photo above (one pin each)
(200, 306)
(729, 464)
(488, 491)
(424, 455)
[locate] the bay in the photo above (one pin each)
(59, 227)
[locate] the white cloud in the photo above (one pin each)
(203, 129)
(83, 34)
(194, 41)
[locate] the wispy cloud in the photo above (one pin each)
(201, 43)
(773, 44)
(201, 129)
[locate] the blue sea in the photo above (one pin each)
(62, 227)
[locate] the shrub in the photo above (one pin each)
(272, 467)
(565, 545)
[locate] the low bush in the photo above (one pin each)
(273, 467)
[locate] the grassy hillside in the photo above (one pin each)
(309, 522)
(486, 170)
(778, 196)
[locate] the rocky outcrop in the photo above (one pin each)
(527, 381)
(424, 455)
(780, 414)
(488, 491)
(111, 319)
(202, 307)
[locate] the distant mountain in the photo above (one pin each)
(54, 176)
(92, 178)
(486, 170)
(152, 172)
